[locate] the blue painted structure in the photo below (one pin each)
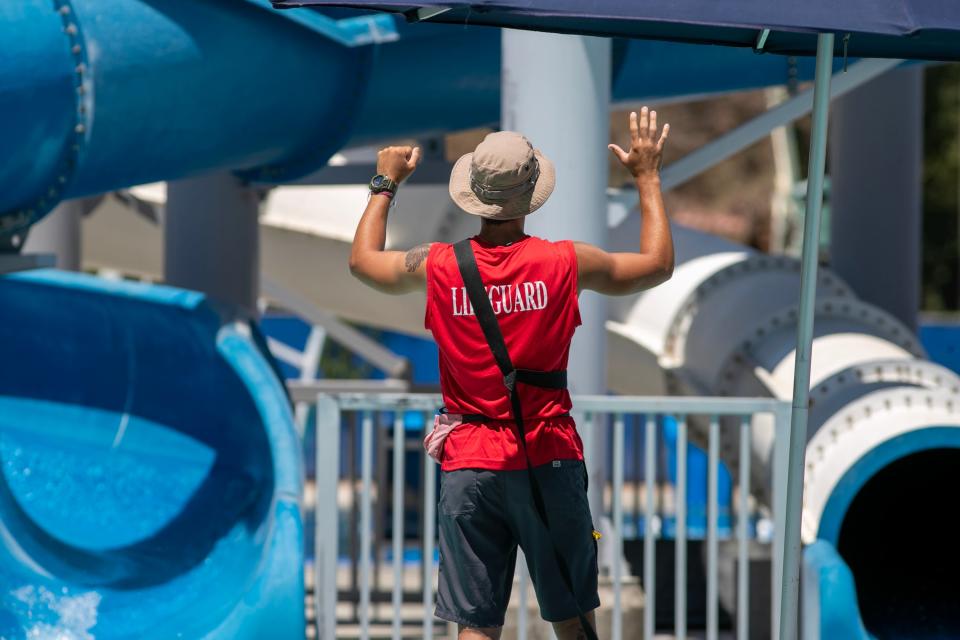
(96, 95)
(99, 94)
(941, 341)
(150, 468)
(829, 596)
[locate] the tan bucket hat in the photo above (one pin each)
(504, 178)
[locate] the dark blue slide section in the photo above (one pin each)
(151, 472)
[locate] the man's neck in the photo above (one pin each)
(502, 234)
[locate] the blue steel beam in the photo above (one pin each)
(434, 79)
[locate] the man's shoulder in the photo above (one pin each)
(561, 248)
(438, 253)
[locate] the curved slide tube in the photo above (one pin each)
(97, 95)
(829, 596)
(149, 468)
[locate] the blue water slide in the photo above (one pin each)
(829, 596)
(429, 79)
(150, 468)
(100, 94)
(97, 95)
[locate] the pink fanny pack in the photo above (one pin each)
(443, 424)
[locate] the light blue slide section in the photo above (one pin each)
(830, 610)
(151, 473)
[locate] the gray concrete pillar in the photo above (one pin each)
(58, 234)
(876, 162)
(212, 238)
(569, 122)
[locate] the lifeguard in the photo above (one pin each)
(503, 308)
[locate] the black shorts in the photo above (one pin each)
(484, 515)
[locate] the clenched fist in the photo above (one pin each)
(397, 163)
(646, 149)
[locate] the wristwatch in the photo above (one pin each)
(381, 184)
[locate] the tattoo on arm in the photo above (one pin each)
(416, 256)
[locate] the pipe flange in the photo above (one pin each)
(683, 319)
(859, 379)
(914, 373)
(838, 431)
(917, 373)
(881, 323)
(15, 223)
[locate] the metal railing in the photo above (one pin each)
(593, 412)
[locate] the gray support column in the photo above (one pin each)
(876, 160)
(59, 234)
(212, 238)
(569, 122)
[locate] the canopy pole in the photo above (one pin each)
(790, 585)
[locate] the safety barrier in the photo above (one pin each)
(592, 412)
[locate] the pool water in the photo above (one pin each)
(108, 504)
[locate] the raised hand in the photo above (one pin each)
(397, 163)
(646, 149)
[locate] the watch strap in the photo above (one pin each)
(385, 185)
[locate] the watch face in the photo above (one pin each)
(377, 182)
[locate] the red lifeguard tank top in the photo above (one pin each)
(532, 286)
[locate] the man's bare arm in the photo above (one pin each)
(388, 271)
(624, 273)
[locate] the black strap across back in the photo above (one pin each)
(467, 263)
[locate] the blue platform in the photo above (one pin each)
(151, 473)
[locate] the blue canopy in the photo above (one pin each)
(918, 29)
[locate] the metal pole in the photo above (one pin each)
(875, 224)
(429, 533)
(743, 517)
(59, 233)
(327, 458)
(649, 534)
(713, 477)
(366, 517)
(680, 575)
(399, 451)
(618, 463)
(575, 138)
(789, 587)
(212, 238)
